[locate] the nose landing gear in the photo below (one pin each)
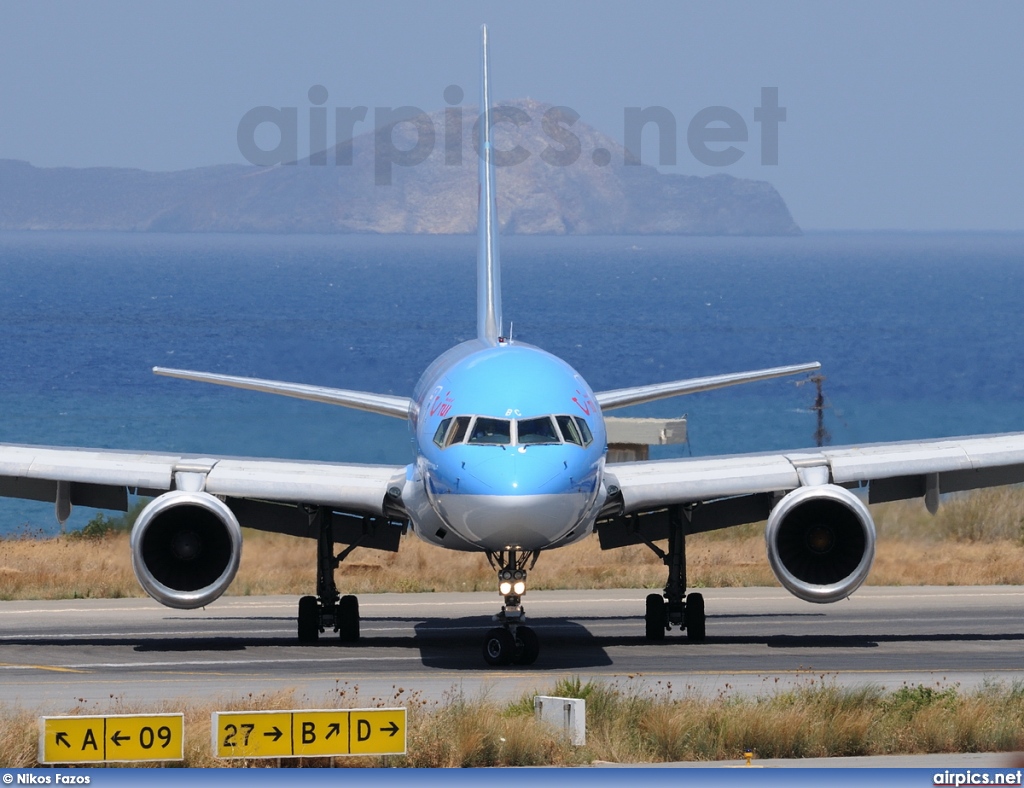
(512, 642)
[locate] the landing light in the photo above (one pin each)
(512, 580)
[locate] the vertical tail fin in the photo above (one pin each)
(488, 284)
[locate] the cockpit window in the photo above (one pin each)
(442, 430)
(570, 432)
(487, 431)
(491, 431)
(532, 431)
(458, 433)
(448, 433)
(588, 436)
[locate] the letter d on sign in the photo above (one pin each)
(362, 730)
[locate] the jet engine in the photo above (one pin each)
(185, 548)
(821, 542)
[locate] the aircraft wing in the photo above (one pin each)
(103, 478)
(636, 395)
(384, 404)
(892, 471)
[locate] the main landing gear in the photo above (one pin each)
(512, 642)
(328, 610)
(675, 607)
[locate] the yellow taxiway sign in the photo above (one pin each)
(112, 738)
(318, 732)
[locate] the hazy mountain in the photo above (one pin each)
(597, 193)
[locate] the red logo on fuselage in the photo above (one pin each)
(584, 403)
(441, 407)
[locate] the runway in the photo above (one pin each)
(86, 654)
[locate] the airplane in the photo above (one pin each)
(510, 461)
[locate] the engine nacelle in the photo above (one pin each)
(185, 548)
(821, 542)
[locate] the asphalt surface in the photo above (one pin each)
(85, 654)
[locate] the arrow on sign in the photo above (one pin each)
(393, 728)
(117, 738)
(333, 729)
(62, 738)
(275, 734)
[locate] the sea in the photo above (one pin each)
(919, 335)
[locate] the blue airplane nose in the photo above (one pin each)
(524, 497)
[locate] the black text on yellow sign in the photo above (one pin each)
(111, 738)
(323, 732)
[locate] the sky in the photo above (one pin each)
(904, 114)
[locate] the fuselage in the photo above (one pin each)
(510, 450)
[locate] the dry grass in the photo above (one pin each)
(992, 515)
(818, 720)
(975, 539)
(19, 738)
(631, 723)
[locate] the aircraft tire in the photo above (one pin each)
(499, 647)
(654, 618)
(348, 619)
(693, 617)
(527, 646)
(309, 619)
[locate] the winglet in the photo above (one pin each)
(488, 285)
